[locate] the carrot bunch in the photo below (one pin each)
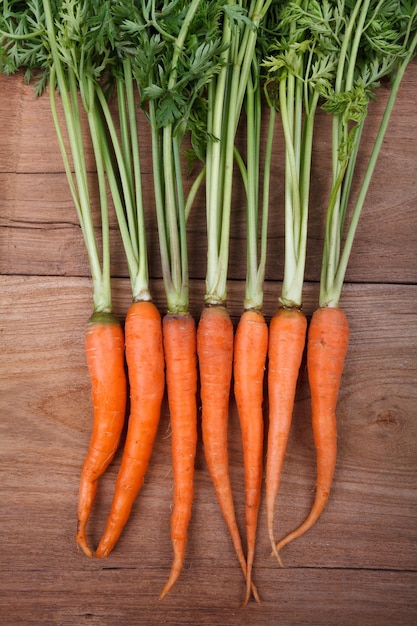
(226, 94)
(72, 80)
(336, 59)
(82, 66)
(171, 79)
(194, 70)
(294, 69)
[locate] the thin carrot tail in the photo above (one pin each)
(320, 502)
(287, 335)
(180, 349)
(250, 349)
(87, 492)
(145, 359)
(104, 346)
(251, 524)
(327, 346)
(215, 354)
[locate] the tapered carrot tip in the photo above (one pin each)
(255, 592)
(246, 600)
(276, 554)
(173, 577)
(81, 540)
(250, 588)
(103, 550)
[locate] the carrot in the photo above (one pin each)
(251, 338)
(179, 334)
(250, 349)
(215, 354)
(225, 97)
(293, 93)
(145, 360)
(328, 339)
(353, 65)
(104, 347)
(286, 345)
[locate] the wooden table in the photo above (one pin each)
(358, 565)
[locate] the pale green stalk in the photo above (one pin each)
(255, 268)
(69, 97)
(330, 295)
(126, 192)
(344, 82)
(226, 96)
(170, 203)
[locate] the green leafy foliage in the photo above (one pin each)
(190, 64)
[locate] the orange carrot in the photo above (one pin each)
(250, 349)
(215, 354)
(180, 348)
(104, 347)
(145, 360)
(328, 339)
(287, 335)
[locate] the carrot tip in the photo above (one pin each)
(82, 543)
(255, 593)
(102, 553)
(247, 597)
(173, 577)
(166, 589)
(275, 553)
(105, 546)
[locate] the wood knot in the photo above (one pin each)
(388, 420)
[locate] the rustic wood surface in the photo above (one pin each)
(358, 565)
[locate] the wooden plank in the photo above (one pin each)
(359, 563)
(37, 207)
(28, 140)
(127, 596)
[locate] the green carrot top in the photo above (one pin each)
(62, 44)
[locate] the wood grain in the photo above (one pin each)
(366, 539)
(359, 563)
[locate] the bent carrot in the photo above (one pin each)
(287, 336)
(250, 349)
(104, 349)
(328, 340)
(179, 335)
(215, 355)
(145, 360)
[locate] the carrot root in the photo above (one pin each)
(215, 354)
(145, 359)
(328, 340)
(250, 350)
(104, 348)
(179, 333)
(287, 335)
